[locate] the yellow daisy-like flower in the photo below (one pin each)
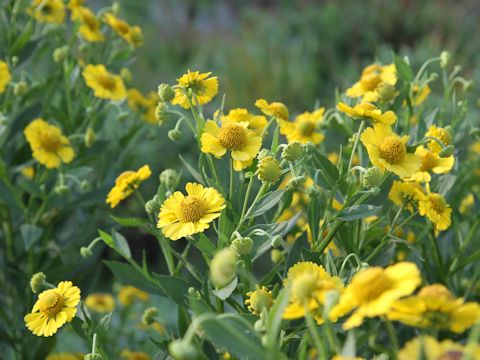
(89, 24)
(436, 308)
(126, 183)
(131, 34)
(368, 111)
(256, 123)
(65, 356)
(49, 146)
(202, 87)
(388, 151)
(436, 209)
(431, 162)
(101, 303)
(5, 76)
(309, 284)
(243, 143)
(406, 194)
(277, 109)
(304, 128)
(182, 215)
(259, 299)
(104, 84)
(129, 294)
(428, 348)
(372, 77)
(441, 134)
(373, 291)
(420, 94)
(134, 355)
(48, 11)
(467, 204)
(53, 309)
(145, 105)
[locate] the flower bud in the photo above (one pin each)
(386, 92)
(60, 54)
(165, 92)
(149, 315)
(277, 241)
(223, 267)
(37, 281)
(84, 185)
(445, 58)
(269, 170)
(123, 116)
(259, 299)
(126, 75)
(169, 177)
(20, 88)
(152, 206)
(85, 252)
(174, 135)
(468, 85)
(61, 189)
(92, 357)
(242, 246)
(89, 137)
(14, 61)
(296, 181)
(115, 8)
(182, 350)
(372, 177)
(292, 152)
(161, 113)
(447, 151)
(277, 256)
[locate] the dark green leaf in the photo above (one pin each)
(266, 203)
(128, 274)
(356, 212)
(130, 222)
(404, 70)
(30, 234)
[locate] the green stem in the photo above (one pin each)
(230, 190)
(245, 203)
(314, 334)
(355, 144)
(325, 242)
(393, 336)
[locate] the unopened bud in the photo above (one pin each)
(92, 357)
(161, 113)
(445, 58)
(20, 88)
(372, 177)
(14, 61)
(314, 191)
(60, 54)
(85, 252)
(468, 85)
(152, 206)
(115, 8)
(123, 116)
(293, 152)
(169, 177)
(149, 315)
(223, 268)
(182, 350)
(89, 137)
(269, 170)
(277, 241)
(84, 185)
(174, 135)
(277, 256)
(165, 92)
(242, 246)
(61, 189)
(37, 281)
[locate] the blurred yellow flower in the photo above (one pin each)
(436, 308)
(406, 194)
(467, 204)
(53, 309)
(144, 105)
(420, 94)
(182, 215)
(126, 183)
(431, 162)
(428, 348)
(101, 303)
(259, 299)
(48, 11)
(368, 111)
(28, 172)
(104, 84)
(131, 34)
(5, 76)
(65, 356)
(129, 294)
(49, 146)
(372, 292)
(89, 24)
(134, 355)
(441, 134)
(388, 151)
(277, 109)
(304, 128)
(436, 209)
(373, 76)
(256, 123)
(242, 142)
(195, 89)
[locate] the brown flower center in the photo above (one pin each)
(50, 141)
(370, 81)
(233, 136)
(306, 128)
(107, 81)
(192, 209)
(51, 303)
(392, 150)
(437, 203)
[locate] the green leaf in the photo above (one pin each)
(197, 176)
(102, 327)
(130, 222)
(30, 234)
(176, 288)
(404, 70)
(266, 203)
(226, 291)
(130, 275)
(205, 245)
(274, 319)
(117, 242)
(356, 212)
(23, 39)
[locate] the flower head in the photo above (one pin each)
(269, 170)
(256, 123)
(431, 162)
(126, 183)
(436, 209)
(129, 294)
(223, 267)
(428, 348)
(259, 299)
(406, 194)
(372, 291)
(368, 111)
(276, 109)
(5, 76)
(104, 84)
(200, 86)
(144, 105)
(48, 11)
(441, 134)
(388, 151)
(184, 215)
(373, 76)
(420, 94)
(53, 309)
(131, 34)
(232, 136)
(49, 146)
(304, 128)
(99, 302)
(90, 26)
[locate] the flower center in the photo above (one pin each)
(306, 128)
(392, 150)
(46, 9)
(451, 355)
(304, 286)
(51, 303)
(233, 136)
(50, 141)
(192, 209)
(90, 21)
(372, 283)
(370, 81)
(107, 81)
(429, 161)
(437, 203)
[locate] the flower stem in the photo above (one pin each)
(355, 144)
(393, 336)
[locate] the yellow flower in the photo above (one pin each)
(428, 348)
(131, 34)
(243, 143)
(256, 123)
(441, 134)
(104, 84)
(344, 357)
(475, 147)
(53, 309)
(65, 356)
(259, 299)
(304, 128)
(388, 151)
(182, 215)
(467, 204)
(372, 291)
(436, 209)
(145, 105)
(48, 11)
(126, 183)
(309, 284)
(406, 194)
(431, 162)
(420, 94)
(129, 294)
(202, 87)
(28, 172)
(134, 355)
(277, 109)
(372, 77)
(368, 111)
(101, 303)
(5, 76)
(89, 24)
(49, 146)
(436, 308)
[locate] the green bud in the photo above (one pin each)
(149, 315)
(277, 256)
(83, 47)
(126, 75)
(445, 58)
(37, 282)
(60, 54)
(84, 185)
(20, 88)
(277, 241)
(165, 92)
(161, 113)
(372, 177)
(61, 189)
(292, 152)
(92, 357)
(89, 137)
(174, 135)
(169, 177)
(386, 92)
(182, 350)
(242, 246)
(123, 116)
(152, 206)
(14, 61)
(269, 170)
(223, 267)
(115, 8)
(85, 252)
(468, 85)
(447, 151)
(296, 181)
